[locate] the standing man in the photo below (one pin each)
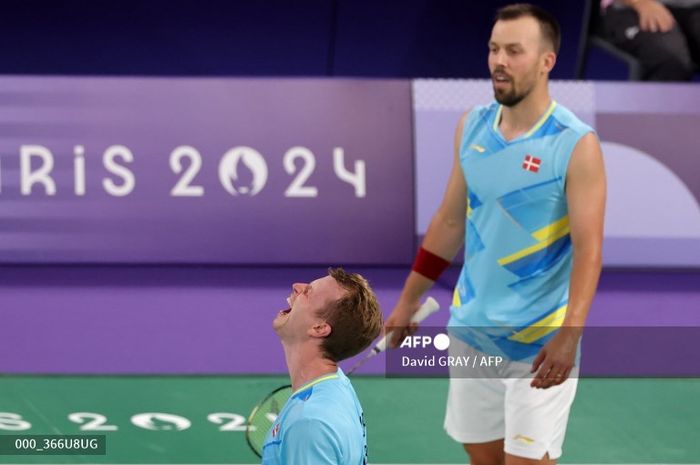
(331, 319)
(530, 177)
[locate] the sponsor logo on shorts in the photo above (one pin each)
(525, 439)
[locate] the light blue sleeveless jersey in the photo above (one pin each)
(514, 284)
(321, 423)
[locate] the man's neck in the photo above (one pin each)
(305, 364)
(519, 119)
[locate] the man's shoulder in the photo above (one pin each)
(565, 118)
(332, 394)
(482, 111)
(478, 116)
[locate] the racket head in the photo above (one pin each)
(264, 415)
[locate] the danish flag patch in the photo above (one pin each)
(531, 163)
(275, 430)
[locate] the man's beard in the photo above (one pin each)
(510, 98)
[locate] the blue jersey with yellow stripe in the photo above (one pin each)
(515, 280)
(322, 423)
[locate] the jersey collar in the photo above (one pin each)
(532, 130)
(315, 382)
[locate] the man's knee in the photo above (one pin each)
(487, 453)
(667, 58)
(672, 68)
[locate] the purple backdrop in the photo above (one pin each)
(217, 320)
(278, 197)
(157, 320)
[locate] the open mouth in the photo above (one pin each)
(288, 310)
(500, 78)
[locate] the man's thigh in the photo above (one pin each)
(536, 419)
(689, 21)
(475, 403)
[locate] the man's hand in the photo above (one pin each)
(400, 322)
(556, 359)
(653, 16)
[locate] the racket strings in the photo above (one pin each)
(264, 416)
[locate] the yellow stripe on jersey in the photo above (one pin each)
(478, 148)
(497, 119)
(551, 229)
(542, 120)
(547, 114)
(456, 300)
(314, 382)
(541, 328)
(535, 248)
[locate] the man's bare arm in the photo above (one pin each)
(444, 238)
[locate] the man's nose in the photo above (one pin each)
(298, 288)
(500, 60)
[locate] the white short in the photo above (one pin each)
(531, 421)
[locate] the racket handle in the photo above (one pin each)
(429, 307)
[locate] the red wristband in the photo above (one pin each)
(429, 265)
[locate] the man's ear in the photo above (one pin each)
(320, 330)
(549, 60)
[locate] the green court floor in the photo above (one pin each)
(200, 419)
